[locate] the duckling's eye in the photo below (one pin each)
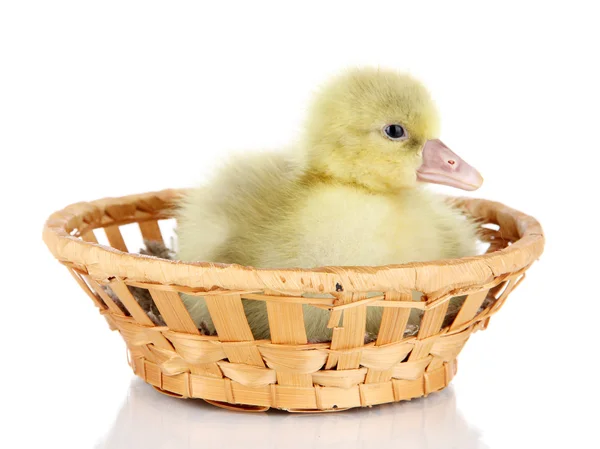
(394, 132)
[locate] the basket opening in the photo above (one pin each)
(491, 226)
(167, 228)
(86, 285)
(132, 237)
(499, 289)
(483, 247)
(101, 236)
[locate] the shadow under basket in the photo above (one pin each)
(233, 370)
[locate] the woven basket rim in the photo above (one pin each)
(102, 261)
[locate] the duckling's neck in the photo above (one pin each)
(314, 176)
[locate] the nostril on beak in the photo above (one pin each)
(451, 162)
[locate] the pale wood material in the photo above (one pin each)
(231, 369)
(393, 321)
(151, 231)
(469, 309)
(227, 313)
(286, 322)
(248, 375)
(120, 289)
(393, 325)
(112, 306)
(431, 324)
(351, 335)
(89, 237)
(173, 311)
(293, 360)
(115, 238)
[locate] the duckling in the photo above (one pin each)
(350, 193)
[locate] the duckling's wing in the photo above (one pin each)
(243, 195)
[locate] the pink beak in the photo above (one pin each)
(442, 166)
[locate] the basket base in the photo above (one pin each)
(224, 393)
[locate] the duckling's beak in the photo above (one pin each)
(442, 166)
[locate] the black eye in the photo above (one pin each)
(394, 132)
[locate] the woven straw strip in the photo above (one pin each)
(227, 313)
(250, 376)
(512, 283)
(89, 237)
(151, 231)
(431, 323)
(469, 309)
(350, 335)
(290, 299)
(448, 347)
(281, 359)
(112, 306)
(393, 325)
(334, 319)
(113, 233)
(286, 323)
(136, 335)
(173, 311)
(196, 349)
(342, 379)
(95, 298)
(127, 299)
(383, 358)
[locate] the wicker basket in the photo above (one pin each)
(235, 371)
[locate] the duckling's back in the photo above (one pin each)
(224, 220)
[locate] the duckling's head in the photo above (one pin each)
(379, 129)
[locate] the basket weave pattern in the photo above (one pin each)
(286, 372)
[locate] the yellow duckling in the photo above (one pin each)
(350, 194)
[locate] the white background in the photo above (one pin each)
(110, 98)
